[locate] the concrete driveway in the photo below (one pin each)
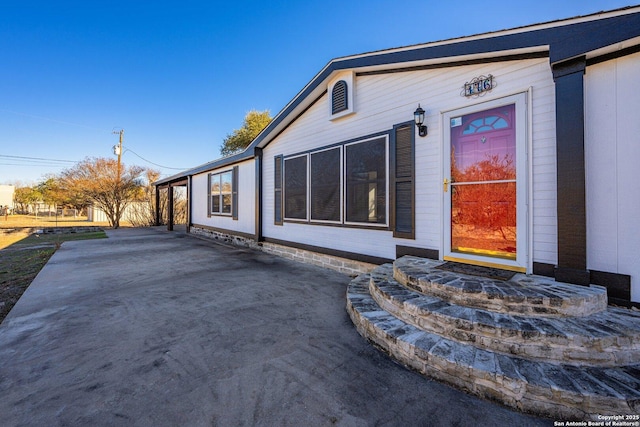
(151, 328)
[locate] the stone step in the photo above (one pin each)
(561, 391)
(527, 295)
(607, 338)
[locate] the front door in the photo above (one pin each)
(485, 185)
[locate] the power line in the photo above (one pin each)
(37, 158)
(155, 164)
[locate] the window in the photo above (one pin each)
(341, 184)
(325, 185)
(295, 188)
(339, 97)
(223, 193)
(366, 181)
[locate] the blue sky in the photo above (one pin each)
(180, 76)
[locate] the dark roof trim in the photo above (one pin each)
(215, 164)
(565, 40)
(518, 57)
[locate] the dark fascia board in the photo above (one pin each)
(215, 164)
(564, 40)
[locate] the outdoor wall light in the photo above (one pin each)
(418, 116)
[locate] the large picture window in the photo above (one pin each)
(295, 188)
(342, 184)
(220, 192)
(366, 181)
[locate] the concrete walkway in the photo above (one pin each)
(152, 328)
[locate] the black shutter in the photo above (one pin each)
(403, 164)
(234, 193)
(339, 101)
(277, 192)
(208, 195)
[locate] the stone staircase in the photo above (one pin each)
(533, 344)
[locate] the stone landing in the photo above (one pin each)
(543, 347)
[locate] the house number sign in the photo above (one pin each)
(479, 85)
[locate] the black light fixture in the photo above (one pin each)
(418, 116)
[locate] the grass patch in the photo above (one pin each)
(21, 262)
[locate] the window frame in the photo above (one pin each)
(232, 193)
(340, 186)
(284, 188)
(343, 182)
(386, 185)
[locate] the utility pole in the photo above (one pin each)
(117, 149)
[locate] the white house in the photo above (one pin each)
(6, 195)
(525, 161)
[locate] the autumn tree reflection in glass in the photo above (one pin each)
(483, 176)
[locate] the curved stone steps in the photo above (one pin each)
(526, 295)
(606, 338)
(556, 390)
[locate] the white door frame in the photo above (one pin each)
(522, 262)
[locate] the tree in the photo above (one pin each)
(97, 181)
(23, 197)
(254, 123)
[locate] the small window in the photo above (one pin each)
(295, 188)
(488, 123)
(339, 97)
(221, 193)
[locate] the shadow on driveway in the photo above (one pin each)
(154, 328)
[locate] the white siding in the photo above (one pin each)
(387, 99)
(612, 150)
(246, 201)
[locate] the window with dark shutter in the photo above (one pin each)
(339, 101)
(403, 197)
(277, 193)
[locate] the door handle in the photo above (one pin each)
(445, 184)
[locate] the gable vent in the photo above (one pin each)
(339, 97)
